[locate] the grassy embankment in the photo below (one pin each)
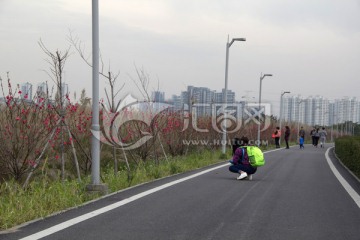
(44, 197)
(348, 150)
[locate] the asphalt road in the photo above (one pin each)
(294, 196)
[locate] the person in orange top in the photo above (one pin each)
(276, 135)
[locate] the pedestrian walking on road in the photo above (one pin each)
(302, 133)
(312, 134)
(240, 162)
(301, 142)
(322, 135)
(317, 137)
(301, 137)
(287, 136)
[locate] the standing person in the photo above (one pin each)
(240, 162)
(302, 133)
(312, 134)
(276, 135)
(287, 136)
(301, 137)
(322, 135)
(301, 142)
(316, 137)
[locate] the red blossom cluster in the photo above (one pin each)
(26, 125)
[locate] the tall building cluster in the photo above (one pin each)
(313, 111)
(320, 111)
(29, 93)
(41, 90)
(201, 99)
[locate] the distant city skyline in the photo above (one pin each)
(310, 47)
(320, 111)
(311, 110)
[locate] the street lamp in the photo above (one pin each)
(299, 118)
(96, 185)
(259, 112)
(282, 94)
(228, 45)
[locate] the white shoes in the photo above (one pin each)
(242, 176)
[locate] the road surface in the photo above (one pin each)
(298, 194)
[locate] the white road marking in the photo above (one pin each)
(355, 196)
(97, 212)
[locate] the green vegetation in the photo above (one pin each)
(348, 150)
(45, 197)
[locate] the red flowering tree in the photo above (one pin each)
(24, 129)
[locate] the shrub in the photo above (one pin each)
(348, 150)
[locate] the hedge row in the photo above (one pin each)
(348, 150)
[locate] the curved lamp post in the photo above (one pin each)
(228, 45)
(282, 94)
(299, 117)
(259, 112)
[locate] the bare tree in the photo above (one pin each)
(142, 83)
(57, 62)
(112, 80)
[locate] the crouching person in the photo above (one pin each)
(240, 161)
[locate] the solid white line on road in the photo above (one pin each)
(355, 196)
(95, 213)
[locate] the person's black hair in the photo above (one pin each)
(235, 144)
(238, 142)
(244, 140)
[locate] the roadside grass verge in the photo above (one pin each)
(43, 197)
(348, 150)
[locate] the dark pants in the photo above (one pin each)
(242, 167)
(287, 142)
(277, 142)
(316, 141)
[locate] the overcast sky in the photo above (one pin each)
(312, 47)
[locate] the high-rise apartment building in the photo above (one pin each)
(26, 91)
(157, 96)
(41, 90)
(200, 100)
(64, 90)
(319, 111)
